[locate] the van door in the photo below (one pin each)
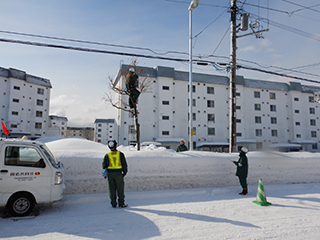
(25, 169)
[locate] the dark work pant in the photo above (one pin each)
(116, 188)
(243, 182)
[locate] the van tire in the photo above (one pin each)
(21, 204)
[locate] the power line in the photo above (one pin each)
(221, 40)
(302, 7)
(210, 23)
(268, 8)
(89, 50)
(287, 28)
(198, 61)
(89, 42)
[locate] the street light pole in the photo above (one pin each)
(193, 5)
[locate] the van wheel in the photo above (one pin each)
(21, 204)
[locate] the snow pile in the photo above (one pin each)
(157, 168)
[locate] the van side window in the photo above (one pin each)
(23, 156)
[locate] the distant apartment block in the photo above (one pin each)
(57, 125)
(269, 114)
(24, 103)
(83, 132)
(104, 130)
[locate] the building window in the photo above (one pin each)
(14, 113)
(238, 120)
(165, 88)
(274, 133)
(297, 123)
(257, 106)
(39, 102)
(312, 111)
(296, 99)
(211, 118)
(257, 119)
(256, 94)
(210, 90)
(238, 94)
(272, 95)
(16, 88)
(165, 117)
(165, 102)
(211, 131)
(313, 134)
(210, 103)
(311, 99)
(194, 117)
(99, 130)
(258, 132)
(38, 114)
(273, 120)
(38, 125)
(132, 129)
(40, 91)
(298, 135)
(238, 107)
(15, 100)
(273, 108)
(239, 134)
(14, 125)
(296, 111)
(193, 102)
(312, 122)
(99, 135)
(165, 133)
(193, 88)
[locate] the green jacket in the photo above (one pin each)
(242, 166)
(105, 164)
(131, 81)
(182, 148)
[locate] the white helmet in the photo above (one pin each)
(132, 69)
(244, 149)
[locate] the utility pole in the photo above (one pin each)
(233, 76)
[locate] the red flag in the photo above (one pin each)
(5, 130)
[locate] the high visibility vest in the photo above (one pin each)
(114, 160)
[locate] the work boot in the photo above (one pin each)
(244, 192)
(123, 206)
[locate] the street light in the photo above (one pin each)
(193, 5)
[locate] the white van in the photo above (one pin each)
(29, 174)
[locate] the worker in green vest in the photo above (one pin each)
(115, 164)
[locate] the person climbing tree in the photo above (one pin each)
(131, 84)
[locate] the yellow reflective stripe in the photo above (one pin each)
(114, 160)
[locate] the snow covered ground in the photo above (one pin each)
(189, 195)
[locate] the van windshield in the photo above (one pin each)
(49, 155)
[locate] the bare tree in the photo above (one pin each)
(117, 88)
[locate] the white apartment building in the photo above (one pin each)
(82, 132)
(57, 125)
(104, 130)
(24, 103)
(269, 114)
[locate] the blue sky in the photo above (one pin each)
(80, 79)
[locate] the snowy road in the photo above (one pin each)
(211, 213)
